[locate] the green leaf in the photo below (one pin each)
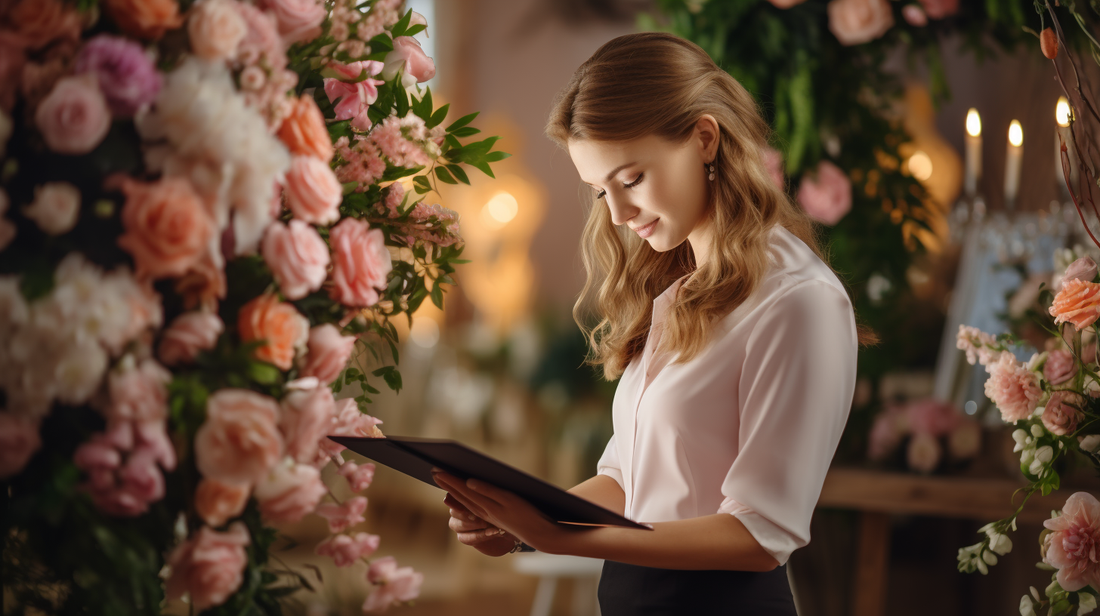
(484, 168)
(415, 29)
(444, 176)
(497, 156)
(467, 131)
(393, 380)
(459, 174)
(421, 184)
(463, 121)
(263, 373)
(438, 117)
(396, 173)
(402, 25)
(437, 296)
(401, 98)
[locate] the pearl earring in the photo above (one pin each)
(711, 176)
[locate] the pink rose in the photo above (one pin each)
(168, 228)
(1063, 412)
(308, 417)
(361, 264)
(1081, 269)
(914, 15)
(217, 502)
(297, 256)
(932, 417)
(239, 441)
(208, 566)
(859, 21)
(313, 193)
(1059, 367)
(299, 20)
(342, 517)
(1013, 388)
(924, 452)
(392, 584)
(73, 118)
(18, 441)
(327, 353)
(357, 97)
(346, 549)
(1073, 546)
(216, 29)
(828, 197)
(190, 333)
(55, 208)
(938, 9)
(408, 55)
(288, 492)
(359, 477)
(1078, 302)
(138, 393)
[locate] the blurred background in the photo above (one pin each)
(501, 369)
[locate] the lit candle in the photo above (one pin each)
(973, 151)
(1012, 162)
(1063, 134)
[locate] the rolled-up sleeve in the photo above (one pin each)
(609, 463)
(794, 395)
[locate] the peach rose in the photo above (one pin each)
(167, 226)
(289, 492)
(40, 22)
(190, 333)
(312, 191)
(73, 118)
(299, 20)
(304, 132)
(208, 566)
(327, 353)
(18, 441)
(216, 28)
(308, 416)
(297, 256)
(279, 325)
(854, 22)
(1063, 412)
(1078, 302)
(55, 208)
(239, 441)
(361, 263)
(145, 19)
(217, 502)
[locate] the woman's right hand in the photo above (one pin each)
(477, 533)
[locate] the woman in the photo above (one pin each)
(735, 344)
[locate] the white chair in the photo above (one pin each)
(549, 568)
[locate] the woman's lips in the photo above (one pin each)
(646, 231)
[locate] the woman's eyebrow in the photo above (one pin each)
(618, 169)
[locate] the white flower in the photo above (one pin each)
(1027, 607)
(1021, 438)
(989, 557)
(982, 567)
(1000, 543)
(55, 208)
(80, 371)
(223, 146)
(1036, 430)
(1043, 456)
(1090, 443)
(1086, 603)
(1036, 361)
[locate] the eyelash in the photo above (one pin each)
(603, 193)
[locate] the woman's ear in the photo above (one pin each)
(707, 135)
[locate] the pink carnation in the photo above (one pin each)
(361, 263)
(342, 517)
(1074, 546)
(125, 73)
(208, 566)
(393, 584)
(1063, 412)
(828, 196)
(359, 477)
(344, 550)
(1013, 388)
(328, 353)
(1059, 367)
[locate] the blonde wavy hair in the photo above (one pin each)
(654, 83)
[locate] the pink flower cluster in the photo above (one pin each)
(343, 516)
(1073, 546)
(393, 584)
(124, 465)
(344, 550)
(979, 346)
(826, 195)
(362, 162)
(1013, 388)
(925, 421)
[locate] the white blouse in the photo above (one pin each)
(749, 426)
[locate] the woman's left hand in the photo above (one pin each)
(507, 511)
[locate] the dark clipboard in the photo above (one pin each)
(415, 457)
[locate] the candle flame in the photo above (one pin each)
(1015, 133)
(1061, 111)
(973, 123)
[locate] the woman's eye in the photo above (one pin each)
(636, 181)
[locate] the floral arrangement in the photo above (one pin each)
(925, 429)
(203, 219)
(1053, 401)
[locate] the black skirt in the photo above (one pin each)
(630, 590)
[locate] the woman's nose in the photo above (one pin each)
(621, 210)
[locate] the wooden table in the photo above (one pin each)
(879, 494)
